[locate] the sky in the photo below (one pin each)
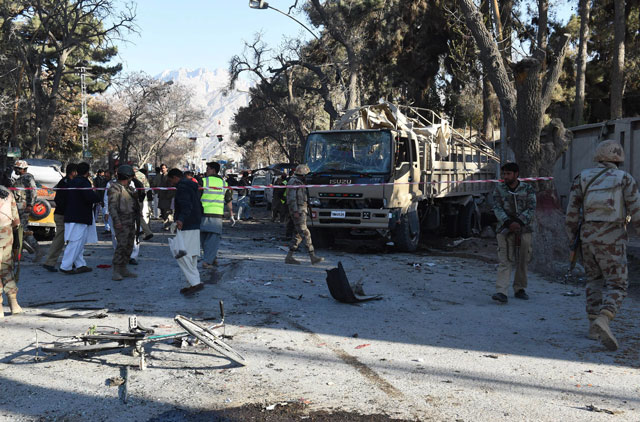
(201, 33)
(207, 33)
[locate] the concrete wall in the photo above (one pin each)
(579, 156)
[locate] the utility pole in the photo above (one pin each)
(84, 120)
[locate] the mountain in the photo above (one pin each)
(208, 87)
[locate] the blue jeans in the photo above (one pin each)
(210, 243)
(244, 207)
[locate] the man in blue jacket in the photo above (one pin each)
(187, 216)
(78, 217)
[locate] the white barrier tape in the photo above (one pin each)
(254, 187)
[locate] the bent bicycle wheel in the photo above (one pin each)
(80, 346)
(210, 338)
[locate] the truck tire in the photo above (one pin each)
(402, 236)
(467, 220)
(321, 238)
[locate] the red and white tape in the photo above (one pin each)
(254, 187)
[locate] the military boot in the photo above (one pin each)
(593, 334)
(126, 273)
(315, 259)
(601, 326)
(290, 259)
(117, 276)
(13, 303)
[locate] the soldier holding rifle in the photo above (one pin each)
(514, 207)
(602, 201)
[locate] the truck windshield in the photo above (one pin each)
(358, 152)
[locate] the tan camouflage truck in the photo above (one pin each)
(405, 170)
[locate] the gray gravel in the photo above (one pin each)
(435, 348)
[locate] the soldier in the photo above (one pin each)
(601, 201)
(124, 209)
(514, 205)
(9, 218)
(298, 209)
(144, 205)
(25, 200)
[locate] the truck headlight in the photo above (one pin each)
(314, 202)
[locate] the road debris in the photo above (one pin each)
(60, 313)
(341, 290)
(592, 408)
(570, 294)
(115, 381)
(362, 346)
(273, 406)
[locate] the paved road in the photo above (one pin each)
(435, 348)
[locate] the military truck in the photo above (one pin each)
(396, 175)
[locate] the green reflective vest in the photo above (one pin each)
(213, 195)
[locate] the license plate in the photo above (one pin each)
(338, 214)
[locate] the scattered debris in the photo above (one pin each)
(268, 283)
(571, 294)
(97, 313)
(103, 266)
(362, 346)
(273, 406)
(457, 242)
(341, 290)
(490, 356)
(308, 281)
(115, 381)
(37, 305)
(592, 408)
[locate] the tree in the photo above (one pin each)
(581, 64)
(53, 38)
(525, 89)
(617, 64)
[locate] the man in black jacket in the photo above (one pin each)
(57, 245)
(78, 217)
(187, 216)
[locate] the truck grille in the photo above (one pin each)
(352, 204)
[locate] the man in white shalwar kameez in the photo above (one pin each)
(188, 213)
(79, 227)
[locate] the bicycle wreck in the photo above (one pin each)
(137, 336)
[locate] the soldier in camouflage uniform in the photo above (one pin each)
(124, 210)
(602, 200)
(9, 218)
(514, 205)
(298, 209)
(26, 199)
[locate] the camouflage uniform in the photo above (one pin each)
(607, 204)
(124, 209)
(297, 203)
(518, 205)
(26, 198)
(9, 217)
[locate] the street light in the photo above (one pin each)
(261, 4)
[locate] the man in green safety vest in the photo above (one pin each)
(215, 196)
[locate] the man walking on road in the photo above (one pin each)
(214, 198)
(187, 218)
(57, 244)
(164, 197)
(298, 209)
(25, 199)
(78, 217)
(601, 200)
(124, 210)
(514, 205)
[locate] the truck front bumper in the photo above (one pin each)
(377, 219)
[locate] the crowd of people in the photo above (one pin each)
(603, 201)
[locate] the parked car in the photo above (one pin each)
(257, 195)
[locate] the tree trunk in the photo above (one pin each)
(581, 64)
(525, 142)
(617, 62)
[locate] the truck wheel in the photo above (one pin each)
(467, 220)
(321, 238)
(402, 236)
